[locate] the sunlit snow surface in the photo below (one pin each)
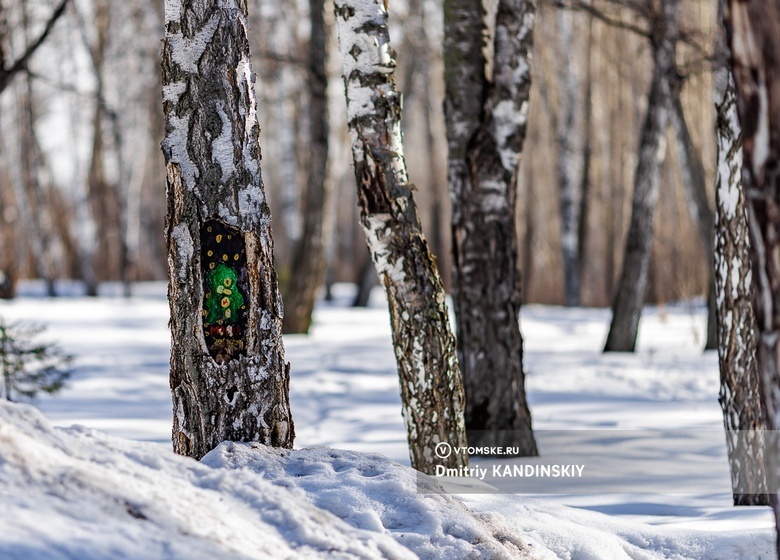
(345, 395)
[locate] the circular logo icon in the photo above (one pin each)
(443, 450)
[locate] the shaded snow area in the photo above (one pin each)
(80, 494)
(347, 491)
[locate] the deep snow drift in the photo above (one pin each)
(80, 494)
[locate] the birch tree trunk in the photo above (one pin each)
(431, 388)
(308, 263)
(627, 306)
(754, 29)
(739, 390)
(486, 124)
(228, 375)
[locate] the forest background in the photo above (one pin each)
(82, 188)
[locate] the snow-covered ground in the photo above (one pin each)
(60, 489)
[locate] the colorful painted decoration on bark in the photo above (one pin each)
(224, 290)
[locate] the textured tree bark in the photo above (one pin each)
(695, 182)
(228, 375)
(627, 306)
(754, 29)
(739, 390)
(308, 263)
(486, 124)
(431, 388)
(568, 166)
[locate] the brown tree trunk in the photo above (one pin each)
(228, 375)
(308, 264)
(568, 165)
(755, 57)
(587, 154)
(627, 306)
(486, 124)
(431, 388)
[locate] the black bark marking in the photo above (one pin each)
(225, 294)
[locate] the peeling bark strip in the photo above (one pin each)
(431, 389)
(627, 306)
(212, 154)
(486, 124)
(739, 391)
(754, 29)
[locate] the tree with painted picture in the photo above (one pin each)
(228, 375)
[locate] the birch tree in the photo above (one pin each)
(754, 40)
(486, 123)
(228, 375)
(627, 305)
(739, 389)
(431, 388)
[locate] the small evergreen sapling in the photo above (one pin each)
(28, 366)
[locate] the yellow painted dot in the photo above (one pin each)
(228, 282)
(235, 257)
(211, 265)
(204, 312)
(219, 238)
(225, 302)
(230, 237)
(208, 295)
(243, 307)
(227, 313)
(224, 257)
(209, 228)
(210, 253)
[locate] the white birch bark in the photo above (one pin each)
(431, 388)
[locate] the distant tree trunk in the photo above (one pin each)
(486, 124)
(739, 390)
(568, 164)
(754, 29)
(228, 375)
(308, 264)
(33, 200)
(587, 153)
(366, 281)
(419, 53)
(431, 387)
(699, 205)
(627, 306)
(38, 219)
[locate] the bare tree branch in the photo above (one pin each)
(691, 38)
(7, 73)
(609, 19)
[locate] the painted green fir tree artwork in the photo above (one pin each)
(224, 290)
